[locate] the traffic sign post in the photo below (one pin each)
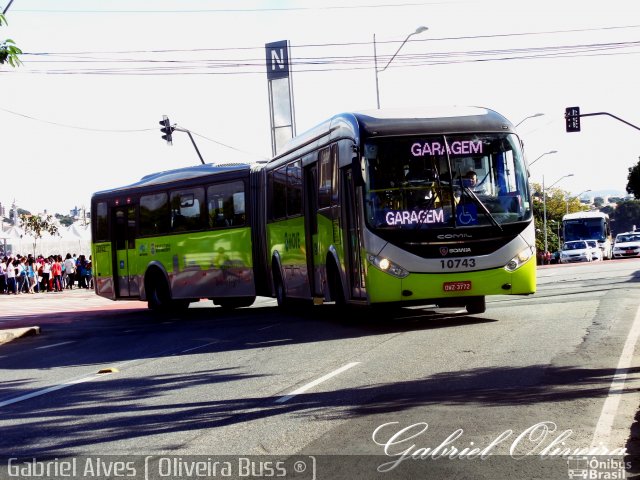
(167, 129)
(572, 119)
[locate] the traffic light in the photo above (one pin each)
(167, 129)
(572, 119)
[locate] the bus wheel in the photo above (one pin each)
(281, 294)
(335, 284)
(158, 297)
(234, 302)
(476, 305)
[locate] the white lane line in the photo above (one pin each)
(267, 327)
(54, 345)
(60, 386)
(196, 348)
(316, 382)
(602, 432)
(38, 393)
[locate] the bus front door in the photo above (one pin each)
(352, 206)
(124, 225)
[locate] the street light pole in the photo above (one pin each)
(577, 196)
(530, 116)
(550, 152)
(544, 207)
(375, 58)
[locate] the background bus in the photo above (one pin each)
(379, 207)
(589, 226)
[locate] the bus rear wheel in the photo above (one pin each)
(232, 303)
(158, 295)
(281, 294)
(476, 305)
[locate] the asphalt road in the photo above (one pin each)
(555, 370)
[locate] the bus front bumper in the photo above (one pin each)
(383, 287)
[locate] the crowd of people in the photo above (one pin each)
(28, 274)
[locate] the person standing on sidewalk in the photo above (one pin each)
(56, 273)
(69, 271)
(12, 268)
(46, 275)
(3, 275)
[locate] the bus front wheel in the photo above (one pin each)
(335, 284)
(476, 305)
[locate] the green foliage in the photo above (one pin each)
(36, 226)
(633, 180)
(627, 214)
(8, 50)
(556, 208)
(65, 220)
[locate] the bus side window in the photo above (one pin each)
(154, 214)
(226, 204)
(186, 211)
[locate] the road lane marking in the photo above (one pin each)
(54, 345)
(316, 382)
(602, 432)
(44, 391)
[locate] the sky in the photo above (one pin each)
(81, 114)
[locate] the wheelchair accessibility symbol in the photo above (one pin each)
(467, 215)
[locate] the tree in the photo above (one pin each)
(633, 180)
(8, 50)
(626, 216)
(556, 208)
(36, 226)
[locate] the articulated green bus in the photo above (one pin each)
(405, 207)
(414, 207)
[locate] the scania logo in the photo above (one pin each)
(454, 236)
(444, 250)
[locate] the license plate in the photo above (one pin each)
(457, 286)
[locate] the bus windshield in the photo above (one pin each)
(441, 181)
(585, 229)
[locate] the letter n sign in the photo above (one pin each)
(277, 60)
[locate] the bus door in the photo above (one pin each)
(124, 226)
(311, 228)
(352, 208)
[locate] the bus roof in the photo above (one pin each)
(407, 121)
(178, 174)
(580, 215)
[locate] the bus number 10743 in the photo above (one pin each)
(458, 262)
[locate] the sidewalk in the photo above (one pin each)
(24, 314)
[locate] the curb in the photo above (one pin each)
(13, 333)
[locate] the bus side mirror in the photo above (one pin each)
(356, 172)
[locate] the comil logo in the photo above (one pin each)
(444, 251)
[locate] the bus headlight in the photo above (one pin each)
(520, 259)
(387, 266)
